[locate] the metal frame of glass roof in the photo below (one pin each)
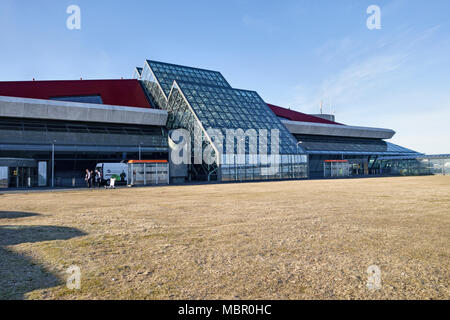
(228, 108)
(417, 156)
(204, 99)
(363, 147)
(166, 73)
(358, 153)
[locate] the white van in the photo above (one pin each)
(113, 170)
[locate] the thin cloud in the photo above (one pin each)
(367, 71)
(260, 24)
(355, 81)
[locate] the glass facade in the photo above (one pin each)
(147, 172)
(249, 141)
(4, 177)
(354, 146)
(361, 153)
(337, 169)
(226, 108)
(415, 165)
(137, 73)
(18, 173)
(287, 167)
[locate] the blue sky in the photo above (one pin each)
(293, 53)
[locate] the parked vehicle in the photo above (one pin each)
(117, 171)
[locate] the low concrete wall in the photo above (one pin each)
(84, 112)
(298, 127)
(325, 116)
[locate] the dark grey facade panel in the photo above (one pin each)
(18, 162)
(64, 138)
(24, 131)
(95, 99)
(79, 148)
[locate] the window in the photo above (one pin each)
(96, 99)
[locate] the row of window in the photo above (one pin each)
(298, 171)
(257, 159)
(76, 128)
(96, 99)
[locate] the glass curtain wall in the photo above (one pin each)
(148, 173)
(200, 100)
(337, 169)
(412, 166)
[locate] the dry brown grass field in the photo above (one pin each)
(271, 240)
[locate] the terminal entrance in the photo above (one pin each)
(336, 168)
(359, 167)
(22, 177)
(18, 173)
(345, 168)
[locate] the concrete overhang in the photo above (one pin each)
(84, 112)
(18, 162)
(298, 127)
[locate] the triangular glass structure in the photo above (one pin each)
(247, 137)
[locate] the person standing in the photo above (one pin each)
(87, 178)
(92, 179)
(98, 174)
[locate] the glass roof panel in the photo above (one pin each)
(166, 73)
(228, 108)
(397, 148)
(315, 144)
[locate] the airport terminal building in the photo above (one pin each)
(51, 131)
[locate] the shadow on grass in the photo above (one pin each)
(16, 214)
(19, 274)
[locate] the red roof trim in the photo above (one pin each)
(117, 92)
(298, 116)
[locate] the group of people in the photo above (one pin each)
(93, 178)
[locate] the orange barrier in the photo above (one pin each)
(147, 161)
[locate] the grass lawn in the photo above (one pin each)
(272, 240)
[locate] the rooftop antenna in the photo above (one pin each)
(321, 107)
(332, 109)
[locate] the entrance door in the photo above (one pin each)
(13, 177)
(4, 177)
(21, 177)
